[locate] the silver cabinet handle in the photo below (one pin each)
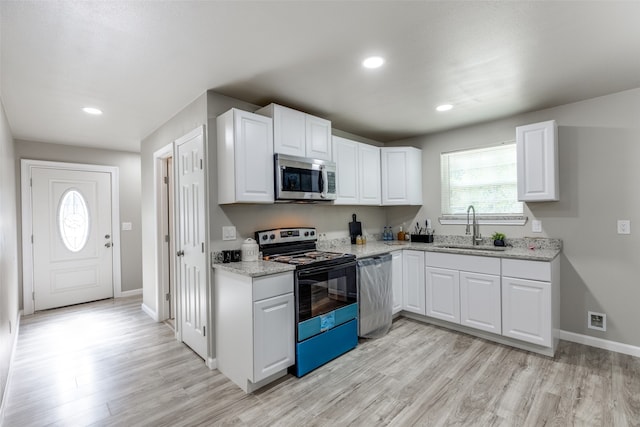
(180, 253)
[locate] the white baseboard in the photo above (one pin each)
(600, 343)
(151, 313)
(13, 352)
(131, 293)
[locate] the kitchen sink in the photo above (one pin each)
(473, 248)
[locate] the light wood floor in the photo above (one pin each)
(107, 363)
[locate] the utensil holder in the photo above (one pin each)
(422, 238)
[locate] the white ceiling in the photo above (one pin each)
(143, 61)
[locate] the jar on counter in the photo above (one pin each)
(249, 250)
(401, 235)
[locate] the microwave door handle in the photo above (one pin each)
(323, 181)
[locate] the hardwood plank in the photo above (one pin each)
(108, 364)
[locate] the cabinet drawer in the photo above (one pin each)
(476, 264)
(533, 270)
(272, 286)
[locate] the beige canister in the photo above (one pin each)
(249, 250)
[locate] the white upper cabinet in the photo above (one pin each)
(299, 134)
(401, 176)
(369, 174)
(357, 172)
(318, 133)
(537, 157)
(245, 158)
(345, 155)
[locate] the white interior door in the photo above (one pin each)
(190, 217)
(72, 237)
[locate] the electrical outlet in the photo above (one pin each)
(597, 321)
(127, 226)
(624, 226)
(536, 226)
(229, 233)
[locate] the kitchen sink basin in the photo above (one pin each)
(473, 248)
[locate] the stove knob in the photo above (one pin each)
(306, 233)
(313, 233)
(273, 236)
(265, 237)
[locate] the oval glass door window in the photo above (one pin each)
(73, 220)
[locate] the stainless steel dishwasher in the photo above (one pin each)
(375, 298)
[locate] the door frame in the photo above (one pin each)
(162, 249)
(26, 166)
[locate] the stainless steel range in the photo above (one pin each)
(325, 292)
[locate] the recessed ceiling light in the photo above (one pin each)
(444, 107)
(92, 110)
(373, 62)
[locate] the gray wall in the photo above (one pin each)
(9, 301)
(129, 172)
(599, 148)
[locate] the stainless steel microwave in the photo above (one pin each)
(300, 178)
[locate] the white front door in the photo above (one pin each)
(72, 237)
(192, 265)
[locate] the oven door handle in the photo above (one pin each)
(316, 270)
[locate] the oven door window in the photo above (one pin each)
(324, 290)
(301, 180)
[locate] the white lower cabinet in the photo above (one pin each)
(443, 294)
(413, 299)
(254, 323)
(530, 301)
(464, 289)
(396, 280)
(273, 348)
(480, 302)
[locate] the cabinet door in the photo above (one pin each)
(318, 132)
(413, 282)
(253, 158)
(396, 280)
(537, 159)
(289, 131)
(480, 303)
(345, 155)
(526, 310)
(369, 174)
(273, 336)
(401, 176)
(443, 294)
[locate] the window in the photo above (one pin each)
(73, 220)
(485, 178)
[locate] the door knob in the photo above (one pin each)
(107, 236)
(107, 245)
(180, 253)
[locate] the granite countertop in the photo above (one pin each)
(532, 249)
(254, 268)
(377, 248)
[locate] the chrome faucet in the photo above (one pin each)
(476, 238)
